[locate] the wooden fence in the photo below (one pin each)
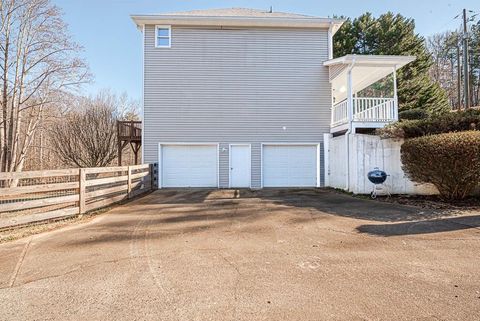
(28, 197)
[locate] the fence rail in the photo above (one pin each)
(29, 197)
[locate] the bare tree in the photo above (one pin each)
(86, 137)
(442, 47)
(129, 109)
(38, 64)
(41, 154)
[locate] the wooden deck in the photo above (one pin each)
(129, 132)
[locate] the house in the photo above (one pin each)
(248, 98)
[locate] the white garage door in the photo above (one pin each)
(189, 165)
(289, 165)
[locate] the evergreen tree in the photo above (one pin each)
(474, 46)
(392, 34)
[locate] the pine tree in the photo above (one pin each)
(392, 34)
(474, 46)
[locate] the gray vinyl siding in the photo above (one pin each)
(236, 86)
(322, 164)
(336, 70)
(224, 165)
(256, 159)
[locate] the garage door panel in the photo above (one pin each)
(290, 165)
(189, 166)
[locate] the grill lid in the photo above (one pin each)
(377, 176)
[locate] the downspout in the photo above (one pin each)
(395, 94)
(350, 119)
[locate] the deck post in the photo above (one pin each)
(395, 95)
(82, 179)
(119, 145)
(349, 97)
(129, 182)
(119, 153)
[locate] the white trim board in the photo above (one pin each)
(238, 21)
(143, 97)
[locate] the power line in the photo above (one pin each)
(450, 21)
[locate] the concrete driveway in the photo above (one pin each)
(267, 255)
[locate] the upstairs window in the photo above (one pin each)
(163, 36)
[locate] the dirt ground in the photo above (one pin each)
(243, 255)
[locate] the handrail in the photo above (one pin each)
(374, 110)
(129, 129)
(366, 109)
(340, 113)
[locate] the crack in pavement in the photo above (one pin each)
(237, 282)
(19, 263)
(79, 268)
(167, 296)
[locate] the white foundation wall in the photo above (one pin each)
(367, 152)
(337, 165)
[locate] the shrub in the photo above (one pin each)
(449, 161)
(444, 123)
(412, 114)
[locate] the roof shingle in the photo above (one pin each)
(238, 12)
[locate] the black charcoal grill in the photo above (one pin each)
(378, 178)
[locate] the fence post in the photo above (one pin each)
(82, 178)
(129, 182)
(150, 169)
(155, 176)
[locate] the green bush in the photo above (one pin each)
(412, 114)
(444, 123)
(449, 161)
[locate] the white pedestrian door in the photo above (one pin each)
(239, 166)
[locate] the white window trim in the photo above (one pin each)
(169, 35)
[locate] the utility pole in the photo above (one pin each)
(459, 77)
(466, 77)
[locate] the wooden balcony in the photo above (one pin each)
(129, 132)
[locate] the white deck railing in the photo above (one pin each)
(365, 110)
(340, 113)
(374, 109)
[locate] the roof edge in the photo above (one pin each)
(238, 21)
(381, 60)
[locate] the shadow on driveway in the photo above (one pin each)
(422, 227)
(322, 200)
(339, 204)
(168, 213)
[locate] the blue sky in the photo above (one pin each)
(112, 44)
